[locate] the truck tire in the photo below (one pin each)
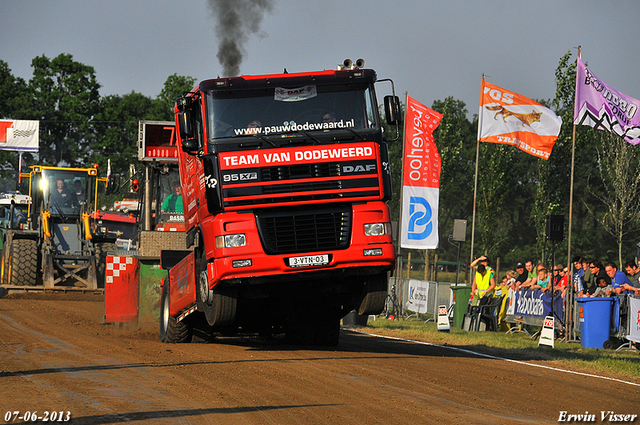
(374, 295)
(171, 331)
(219, 305)
(101, 251)
(22, 264)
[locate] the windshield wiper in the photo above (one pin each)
(264, 139)
(55, 202)
(312, 137)
(229, 140)
(356, 133)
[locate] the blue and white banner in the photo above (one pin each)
(420, 217)
(535, 303)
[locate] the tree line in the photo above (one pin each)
(78, 126)
(516, 191)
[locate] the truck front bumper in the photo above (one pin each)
(249, 264)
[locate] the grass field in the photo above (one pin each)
(518, 346)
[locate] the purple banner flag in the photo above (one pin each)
(601, 107)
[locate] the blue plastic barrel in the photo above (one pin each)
(595, 320)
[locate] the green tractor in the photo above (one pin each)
(55, 246)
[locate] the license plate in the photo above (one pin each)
(309, 260)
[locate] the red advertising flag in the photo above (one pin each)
(420, 178)
(421, 157)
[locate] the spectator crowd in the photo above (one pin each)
(591, 278)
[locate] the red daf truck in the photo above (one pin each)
(284, 182)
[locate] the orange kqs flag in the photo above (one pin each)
(509, 118)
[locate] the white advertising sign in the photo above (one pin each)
(19, 135)
(418, 296)
(634, 320)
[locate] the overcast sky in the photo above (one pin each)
(431, 49)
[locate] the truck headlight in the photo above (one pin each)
(377, 229)
(231, 241)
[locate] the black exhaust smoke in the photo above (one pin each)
(235, 21)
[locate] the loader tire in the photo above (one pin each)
(374, 295)
(101, 251)
(22, 264)
(172, 331)
(4, 266)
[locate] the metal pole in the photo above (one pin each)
(475, 182)
(568, 319)
(147, 198)
(458, 264)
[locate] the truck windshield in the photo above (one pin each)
(280, 110)
(65, 192)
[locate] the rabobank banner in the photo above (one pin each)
(418, 296)
(420, 178)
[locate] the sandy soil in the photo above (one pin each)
(57, 355)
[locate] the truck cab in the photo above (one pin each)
(284, 182)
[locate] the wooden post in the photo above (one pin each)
(409, 265)
(435, 268)
(426, 264)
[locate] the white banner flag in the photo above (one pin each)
(19, 135)
(634, 320)
(420, 178)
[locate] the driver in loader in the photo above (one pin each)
(63, 196)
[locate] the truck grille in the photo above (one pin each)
(285, 232)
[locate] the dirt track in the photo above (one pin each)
(55, 355)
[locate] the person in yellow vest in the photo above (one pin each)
(484, 281)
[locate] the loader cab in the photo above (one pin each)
(65, 193)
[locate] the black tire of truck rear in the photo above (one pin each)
(374, 295)
(171, 331)
(22, 263)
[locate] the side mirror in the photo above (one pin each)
(186, 124)
(113, 184)
(392, 110)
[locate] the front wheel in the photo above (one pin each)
(374, 295)
(22, 264)
(219, 305)
(171, 331)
